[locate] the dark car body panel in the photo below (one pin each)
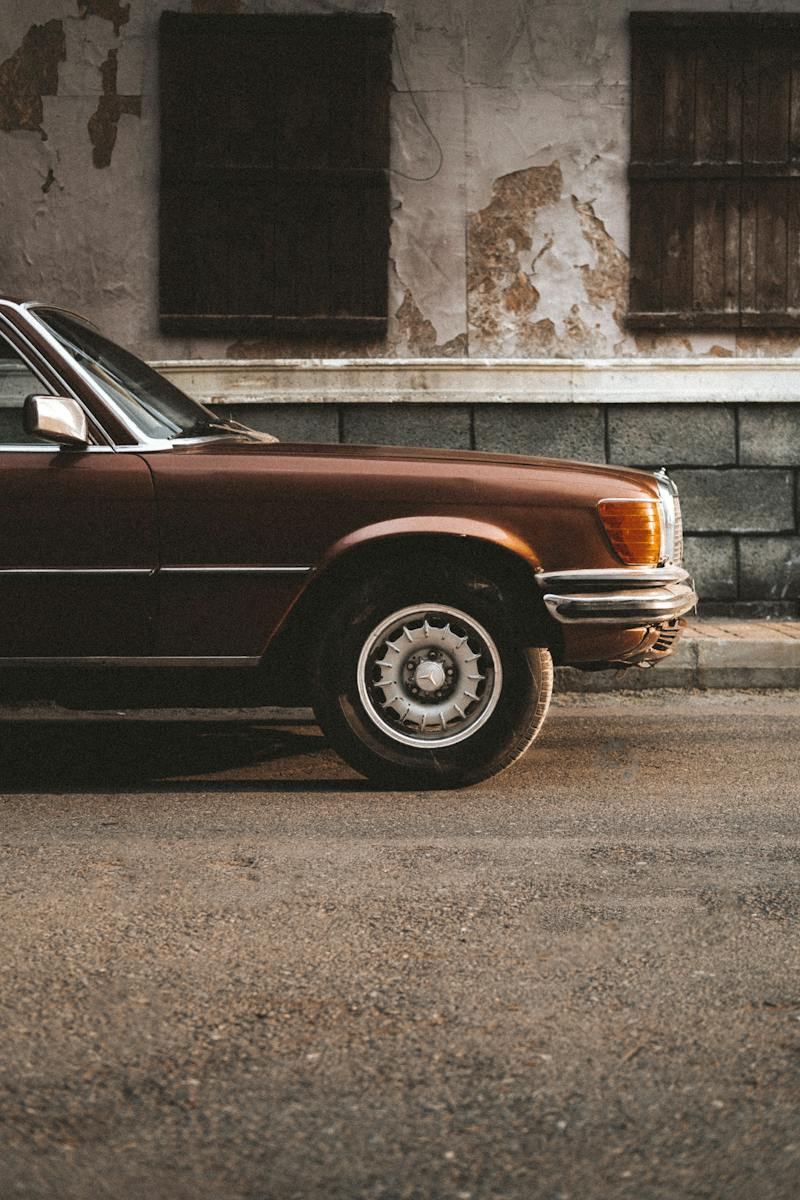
(202, 550)
(78, 554)
(277, 506)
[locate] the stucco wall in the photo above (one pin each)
(511, 241)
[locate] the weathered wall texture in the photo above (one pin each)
(509, 233)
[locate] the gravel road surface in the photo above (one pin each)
(230, 969)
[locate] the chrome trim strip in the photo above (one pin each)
(623, 608)
(221, 570)
(16, 448)
(76, 571)
(32, 350)
(155, 571)
(667, 491)
(53, 449)
(613, 578)
(33, 304)
(209, 660)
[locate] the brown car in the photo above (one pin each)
(416, 598)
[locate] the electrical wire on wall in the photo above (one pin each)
(431, 134)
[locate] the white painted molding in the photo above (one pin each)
(483, 380)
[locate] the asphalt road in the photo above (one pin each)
(229, 969)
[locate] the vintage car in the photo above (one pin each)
(416, 598)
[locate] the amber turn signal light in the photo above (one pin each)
(634, 530)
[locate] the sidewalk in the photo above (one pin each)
(711, 654)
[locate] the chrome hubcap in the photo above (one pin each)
(429, 675)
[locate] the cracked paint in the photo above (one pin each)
(420, 334)
(29, 74)
(110, 107)
(108, 10)
(778, 343)
(608, 278)
(497, 238)
(576, 329)
(529, 292)
(656, 345)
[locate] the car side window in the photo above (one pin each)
(17, 381)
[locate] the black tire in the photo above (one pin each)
(504, 727)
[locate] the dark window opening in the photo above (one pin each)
(715, 171)
(274, 197)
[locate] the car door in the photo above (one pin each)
(78, 544)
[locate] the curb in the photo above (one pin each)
(730, 654)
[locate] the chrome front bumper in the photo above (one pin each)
(624, 597)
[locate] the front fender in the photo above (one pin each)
(436, 525)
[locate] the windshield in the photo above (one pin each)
(151, 402)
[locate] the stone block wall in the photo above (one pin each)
(737, 467)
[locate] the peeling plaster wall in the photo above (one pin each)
(509, 196)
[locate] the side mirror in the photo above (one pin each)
(57, 419)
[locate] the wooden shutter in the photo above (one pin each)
(274, 198)
(715, 171)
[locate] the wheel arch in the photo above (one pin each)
(492, 554)
(452, 529)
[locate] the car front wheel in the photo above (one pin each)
(426, 686)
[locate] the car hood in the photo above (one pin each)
(416, 456)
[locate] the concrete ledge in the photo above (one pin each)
(640, 380)
(725, 654)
